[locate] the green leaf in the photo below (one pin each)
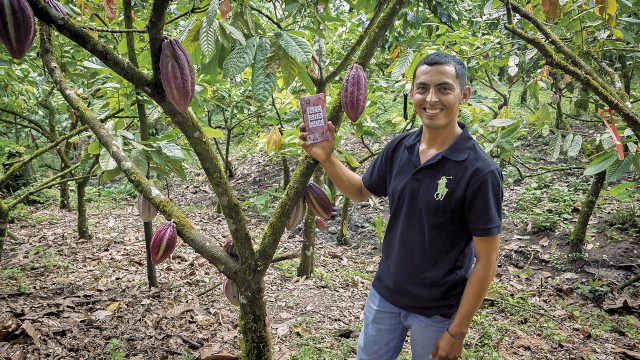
(618, 168)
(94, 148)
(289, 67)
(501, 122)
(171, 149)
(109, 175)
(567, 142)
(233, 32)
(575, 146)
(297, 47)
(213, 133)
(262, 82)
(556, 146)
(601, 163)
(241, 57)
(208, 35)
(139, 159)
(402, 63)
(305, 79)
(106, 161)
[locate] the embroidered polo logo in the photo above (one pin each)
(442, 188)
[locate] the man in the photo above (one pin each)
(440, 249)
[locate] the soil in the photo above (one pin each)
(67, 298)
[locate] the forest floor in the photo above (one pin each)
(67, 298)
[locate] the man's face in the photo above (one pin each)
(437, 95)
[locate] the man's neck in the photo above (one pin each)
(437, 140)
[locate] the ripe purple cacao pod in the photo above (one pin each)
(163, 242)
(231, 291)
(17, 27)
(230, 249)
(56, 6)
(317, 200)
(297, 214)
(177, 74)
(146, 210)
(321, 224)
(354, 92)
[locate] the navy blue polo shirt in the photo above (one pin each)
(435, 209)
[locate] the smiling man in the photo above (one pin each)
(440, 248)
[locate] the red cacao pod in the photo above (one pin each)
(145, 209)
(321, 224)
(231, 291)
(163, 242)
(297, 214)
(56, 6)
(17, 27)
(177, 74)
(317, 200)
(354, 92)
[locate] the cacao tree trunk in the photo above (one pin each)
(65, 197)
(83, 225)
(151, 269)
(4, 222)
(343, 227)
(255, 339)
(305, 268)
(579, 232)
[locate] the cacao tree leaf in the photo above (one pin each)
(262, 81)
(289, 68)
(139, 159)
(109, 9)
(402, 64)
(177, 167)
(94, 148)
(297, 47)
(106, 161)
(241, 57)
(305, 79)
(212, 11)
(618, 168)
(575, 146)
(501, 122)
(567, 141)
(556, 146)
(233, 32)
(551, 9)
(172, 150)
(225, 9)
(601, 163)
(213, 133)
(636, 162)
(109, 175)
(209, 31)
(274, 140)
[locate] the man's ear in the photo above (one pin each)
(466, 94)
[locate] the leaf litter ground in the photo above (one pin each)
(68, 298)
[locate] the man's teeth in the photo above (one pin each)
(432, 111)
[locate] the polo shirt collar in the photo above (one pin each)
(458, 151)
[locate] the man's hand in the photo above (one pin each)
(320, 151)
(447, 348)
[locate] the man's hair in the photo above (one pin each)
(439, 58)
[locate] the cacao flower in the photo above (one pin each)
(321, 224)
(146, 210)
(17, 27)
(354, 92)
(56, 6)
(163, 242)
(297, 214)
(177, 74)
(317, 200)
(231, 291)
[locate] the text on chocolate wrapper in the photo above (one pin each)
(315, 116)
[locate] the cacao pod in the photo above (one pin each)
(230, 249)
(354, 92)
(146, 210)
(177, 74)
(163, 242)
(56, 6)
(17, 27)
(231, 292)
(321, 224)
(297, 214)
(317, 200)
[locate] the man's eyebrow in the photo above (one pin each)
(448, 83)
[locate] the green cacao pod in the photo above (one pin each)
(297, 214)
(146, 210)
(321, 224)
(231, 291)
(177, 74)
(163, 242)
(317, 200)
(354, 92)
(56, 6)
(17, 27)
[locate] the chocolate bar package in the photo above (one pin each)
(314, 115)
